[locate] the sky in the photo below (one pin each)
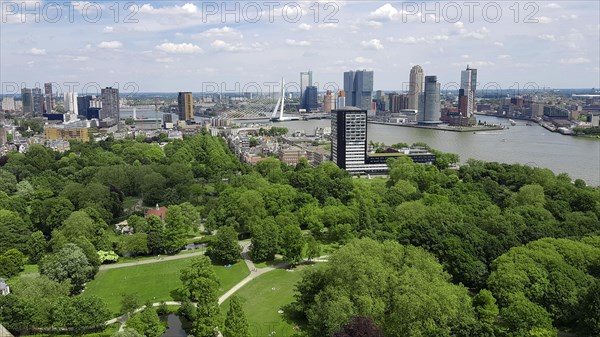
(218, 46)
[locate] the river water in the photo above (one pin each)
(532, 145)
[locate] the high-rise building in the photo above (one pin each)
(358, 86)
(49, 102)
(71, 103)
(341, 99)
(466, 96)
(8, 103)
(27, 98)
(38, 102)
(429, 103)
(398, 102)
(305, 82)
(349, 138)
(83, 104)
(110, 104)
(185, 102)
(309, 99)
(328, 101)
(415, 87)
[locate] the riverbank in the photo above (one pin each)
(443, 127)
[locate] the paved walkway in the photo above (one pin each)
(149, 261)
(254, 273)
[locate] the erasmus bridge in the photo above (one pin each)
(263, 107)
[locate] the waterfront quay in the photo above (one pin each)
(445, 127)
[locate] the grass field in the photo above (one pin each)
(263, 297)
(152, 281)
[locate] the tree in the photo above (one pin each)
(37, 247)
(155, 229)
(200, 284)
(265, 239)
(80, 313)
(292, 243)
(11, 263)
(129, 302)
(225, 247)
(176, 228)
(70, 263)
(485, 306)
(147, 322)
(360, 327)
(522, 317)
(313, 248)
(128, 332)
(15, 233)
(591, 309)
(134, 245)
(8, 181)
(236, 324)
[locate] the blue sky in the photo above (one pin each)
(188, 45)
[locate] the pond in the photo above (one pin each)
(175, 327)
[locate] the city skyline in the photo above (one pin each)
(175, 46)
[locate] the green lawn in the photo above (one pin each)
(262, 303)
(152, 281)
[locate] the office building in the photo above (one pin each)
(415, 87)
(341, 100)
(398, 102)
(185, 102)
(83, 104)
(38, 102)
(110, 105)
(429, 103)
(49, 98)
(466, 96)
(328, 101)
(309, 99)
(27, 98)
(349, 138)
(358, 86)
(305, 82)
(71, 103)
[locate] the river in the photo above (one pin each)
(532, 145)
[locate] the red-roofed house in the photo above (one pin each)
(160, 212)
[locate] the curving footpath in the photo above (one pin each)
(254, 273)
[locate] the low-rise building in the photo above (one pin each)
(4, 288)
(291, 155)
(66, 132)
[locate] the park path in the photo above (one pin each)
(254, 273)
(149, 261)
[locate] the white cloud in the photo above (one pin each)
(110, 44)
(165, 60)
(547, 37)
(188, 8)
(80, 58)
(297, 43)
(328, 25)
(465, 56)
(386, 12)
(575, 60)
(499, 44)
(479, 34)
(372, 44)
(504, 56)
(179, 48)
(37, 51)
(305, 27)
(553, 5)
(543, 19)
(108, 29)
(224, 31)
(362, 60)
(221, 45)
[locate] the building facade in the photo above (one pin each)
(349, 138)
(66, 133)
(358, 86)
(415, 87)
(110, 104)
(429, 104)
(466, 96)
(185, 103)
(49, 98)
